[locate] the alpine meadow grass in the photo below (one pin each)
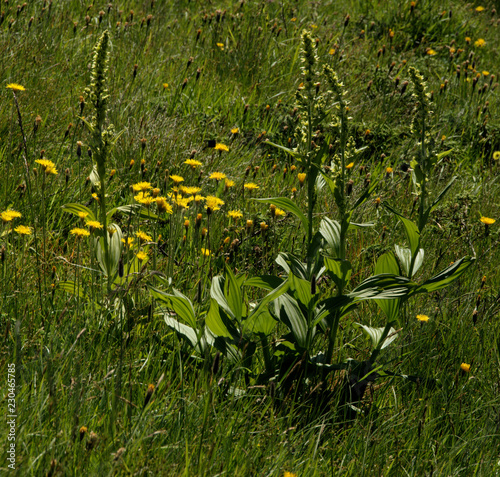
(250, 238)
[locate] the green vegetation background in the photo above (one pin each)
(182, 74)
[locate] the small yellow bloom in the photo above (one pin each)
(144, 198)
(229, 183)
(193, 163)
(486, 73)
(235, 214)
(221, 147)
(479, 9)
(23, 230)
(128, 242)
(16, 87)
(79, 232)
(9, 215)
(422, 318)
(332, 51)
(93, 224)
(176, 179)
(142, 256)
(218, 176)
(465, 367)
(389, 170)
(83, 215)
(251, 186)
(279, 212)
(263, 226)
(48, 166)
(468, 39)
(496, 155)
(487, 221)
(165, 85)
(249, 225)
(205, 252)
(302, 177)
(199, 198)
(350, 165)
(479, 43)
(214, 203)
(95, 196)
(143, 237)
(431, 52)
(142, 187)
(220, 45)
(235, 131)
(192, 190)
(289, 474)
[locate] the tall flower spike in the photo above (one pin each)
(309, 58)
(422, 100)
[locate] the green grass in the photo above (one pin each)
(88, 360)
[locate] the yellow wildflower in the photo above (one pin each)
(220, 45)
(221, 147)
(48, 166)
(486, 73)
(9, 215)
(128, 242)
(163, 205)
(479, 9)
(193, 163)
(23, 230)
(190, 190)
(496, 155)
(79, 232)
(83, 215)
(251, 186)
(214, 203)
(142, 187)
(218, 176)
(431, 52)
(350, 165)
(142, 256)
(229, 183)
(422, 318)
(487, 221)
(205, 252)
(389, 170)
(465, 367)
(144, 198)
(93, 224)
(235, 214)
(279, 212)
(235, 131)
(199, 198)
(479, 43)
(16, 87)
(302, 177)
(176, 179)
(143, 237)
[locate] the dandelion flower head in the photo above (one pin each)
(251, 186)
(176, 179)
(79, 232)
(214, 203)
(142, 256)
(422, 318)
(94, 224)
(143, 237)
(218, 176)
(15, 87)
(193, 163)
(221, 147)
(235, 214)
(23, 230)
(487, 220)
(465, 367)
(142, 187)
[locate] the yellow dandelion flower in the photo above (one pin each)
(279, 212)
(190, 190)
(9, 215)
(479, 43)
(177, 179)
(350, 165)
(23, 230)
(48, 166)
(389, 170)
(95, 196)
(205, 252)
(465, 367)
(487, 221)
(142, 256)
(302, 177)
(229, 183)
(263, 226)
(479, 9)
(79, 232)
(165, 85)
(251, 186)
(249, 225)
(183, 202)
(218, 176)
(199, 198)
(235, 131)
(214, 203)
(93, 224)
(486, 73)
(83, 215)
(331, 51)
(220, 45)
(468, 39)
(289, 474)
(15, 87)
(496, 155)
(142, 187)
(128, 242)
(221, 147)
(193, 163)
(235, 214)
(143, 237)
(431, 52)
(144, 198)
(422, 318)
(163, 206)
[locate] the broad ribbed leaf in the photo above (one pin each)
(77, 208)
(446, 277)
(330, 230)
(268, 282)
(377, 333)
(290, 314)
(387, 263)
(179, 303)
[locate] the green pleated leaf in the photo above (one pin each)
(288, 205)
(75, 209)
